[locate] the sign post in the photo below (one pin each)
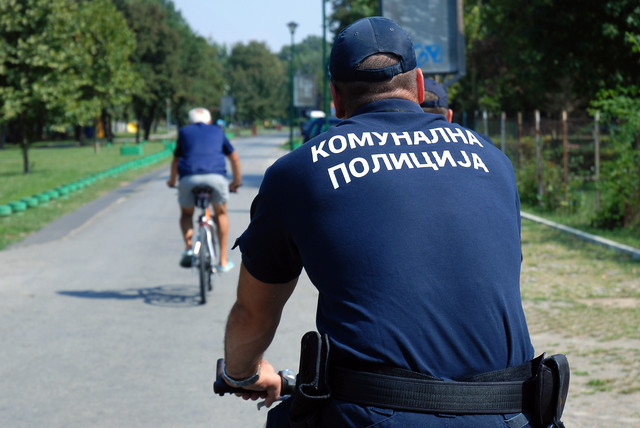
(304, 90)
(227, 107)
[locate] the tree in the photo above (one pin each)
(621, 175)
(107, 45)
(257, 81)
(177, 65)
(526, 55)
(200, 81)
(41, 63)
(155, 58)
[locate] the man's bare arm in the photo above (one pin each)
(173, 173)
(236, 182)
(252, 322)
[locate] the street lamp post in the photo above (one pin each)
(325, 71)
(292, 28)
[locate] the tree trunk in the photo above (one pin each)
(24, 145)
(3, 135)
(106, 125)
(637, 213)
(147, 121)
(25, 153)
(96, 142)
(147, 128)
(79, 131)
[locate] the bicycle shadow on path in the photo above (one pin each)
(166, 296)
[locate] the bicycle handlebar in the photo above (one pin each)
(220, 387)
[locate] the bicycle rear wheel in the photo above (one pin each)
(215, 244)
(204, 267)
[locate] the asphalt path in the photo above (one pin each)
(100, 327)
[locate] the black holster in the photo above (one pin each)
(550, 391)
(312, 388)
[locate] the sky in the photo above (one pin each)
(233, 21)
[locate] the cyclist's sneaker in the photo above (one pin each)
(187, 258)
(226, 268)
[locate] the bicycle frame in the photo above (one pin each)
(205, 224)
(204, 259)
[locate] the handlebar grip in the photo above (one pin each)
(220, 387)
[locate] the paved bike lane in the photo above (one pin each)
(100, 326)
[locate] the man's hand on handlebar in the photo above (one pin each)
(270, 385)
(233, 186)
(267, 387)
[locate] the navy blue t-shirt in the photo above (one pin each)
(201, 149)
(409, 227)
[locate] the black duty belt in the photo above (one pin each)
(505, 391)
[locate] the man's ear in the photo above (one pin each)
(337, 101)
(450, 116)
(420, 82)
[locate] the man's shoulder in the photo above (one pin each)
(187, 129)
(383, 121)
(200, 128)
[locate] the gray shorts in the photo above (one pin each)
(218, 182)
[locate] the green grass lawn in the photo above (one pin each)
(581, 219)
(57, 165)
(52, 166)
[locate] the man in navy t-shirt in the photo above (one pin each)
(199, 159)
(408, 226)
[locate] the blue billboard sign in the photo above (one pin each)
(436, 28)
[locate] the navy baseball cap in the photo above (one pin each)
(366, 37)
(434, 87)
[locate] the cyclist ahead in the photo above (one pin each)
(199, 159)
(409, 227)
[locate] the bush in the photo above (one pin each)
(620, 175)
(553, 188)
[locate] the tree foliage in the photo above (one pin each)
(107, 44)
(48, 64)
(40, 59)
(546, 54)
(258, 82)
(346, 12)
(200, 79)
(177, 65)
(155, 59)
(621, 175)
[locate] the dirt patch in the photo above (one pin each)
(605, 380)
(584, 301)
(613, 302)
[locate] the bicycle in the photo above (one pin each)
(204, 245)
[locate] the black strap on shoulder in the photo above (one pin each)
(505, 391)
